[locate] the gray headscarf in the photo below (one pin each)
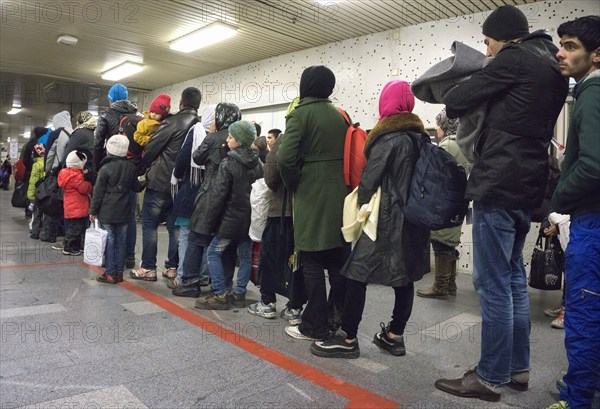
(449, 126)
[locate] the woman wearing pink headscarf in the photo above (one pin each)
(400, 254)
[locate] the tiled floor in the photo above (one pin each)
(68, 341)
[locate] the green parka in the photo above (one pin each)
(310, 161)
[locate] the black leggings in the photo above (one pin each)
(354, 305)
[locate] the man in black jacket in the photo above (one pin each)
(525, 92)
(159, 157)
(107, 126)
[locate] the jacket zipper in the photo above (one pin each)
(584, 292)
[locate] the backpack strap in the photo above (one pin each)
(345, 115)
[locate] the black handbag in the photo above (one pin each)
(547, 265)
(19, 196)
(49, 196)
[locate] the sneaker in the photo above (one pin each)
(169, 273)
(143, 274)
(559, 322)
(336, 347)
(192, 291)
(263, 310)
(119, 277)
(553, 312)
(214, 302)
(72, 252)
(107, 279)
(130, 262)
(293, 316)
(172, 284)
(559, 405)
(59, 246)
(294, 332)
(394, 346)
(238, 300)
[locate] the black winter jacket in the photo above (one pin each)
(526, 92)
(108, 125)
(116, 180)
(210, 153)
(400, 255)
(224, 209)
(82, 140)
(161, 151)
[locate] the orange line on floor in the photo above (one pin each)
(41, 265)
(357, 397)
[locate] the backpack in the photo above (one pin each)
(127, 126)
(436, 198)
(354, 157)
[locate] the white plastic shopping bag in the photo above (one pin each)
(95, 244)
(259, 201)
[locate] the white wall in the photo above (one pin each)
(362, 66)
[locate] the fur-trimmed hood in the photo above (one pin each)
(395, 123)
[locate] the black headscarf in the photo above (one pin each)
(317, 81)
(226, 113)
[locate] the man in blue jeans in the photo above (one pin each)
(578, 194)
(159, 156)
(525, 92)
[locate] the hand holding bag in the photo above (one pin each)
(95, 245)
(547, 265)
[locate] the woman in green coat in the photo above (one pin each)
(310, 160)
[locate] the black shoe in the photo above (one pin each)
(192, 291)
(394, 346)
(34, 236)
(467, 387)
(238, 300)
(47, 240)
(336, 347)
(130, 262)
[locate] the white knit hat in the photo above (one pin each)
(117, 145)
(76, 160)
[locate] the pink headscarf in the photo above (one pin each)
(396, 98)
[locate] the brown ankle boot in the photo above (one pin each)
(452, 279)
(439, 289)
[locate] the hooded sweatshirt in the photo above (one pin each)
(58, 148)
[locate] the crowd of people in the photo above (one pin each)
(210, 176)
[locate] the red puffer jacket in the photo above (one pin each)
(76, 190)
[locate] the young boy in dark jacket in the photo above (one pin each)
(110, 204)
(223, 211)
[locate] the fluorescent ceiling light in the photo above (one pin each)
(123, 70)
(208, 35)
(14, 110)
(26, 135)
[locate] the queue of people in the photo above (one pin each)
(198, 174)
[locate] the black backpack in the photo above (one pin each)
(436, 199)
(127, 126)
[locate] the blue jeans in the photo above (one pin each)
(500, 280)
(115, 247)
(131, 226)
(158, 207)
(582, 311)
(221, 262)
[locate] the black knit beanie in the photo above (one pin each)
(506, 23)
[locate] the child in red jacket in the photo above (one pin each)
(76, 202)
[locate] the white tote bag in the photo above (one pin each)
(95, 244)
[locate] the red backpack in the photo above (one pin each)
(354, 157)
